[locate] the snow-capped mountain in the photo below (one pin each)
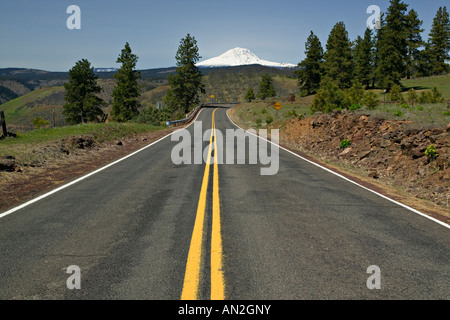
(105, 69)
(240, 57)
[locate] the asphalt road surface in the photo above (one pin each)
(147, 228)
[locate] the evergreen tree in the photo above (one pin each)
(356, 93)
(370, 100)
(364, 59)
(439, 42)
(338, 58)
(329, 97)
(310, 69)
(250, 95)
(376, 54)
(186, 83)
(396, 94)
(423, 62)
(266, 87)
(82, 104)
(126, 91)
(392, 46)
(413, 42)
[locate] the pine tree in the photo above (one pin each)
(310, 69)
(250, 95)
(392, 46)
(126, 91)
(329, 97)
(266, 87)
(364, 59)
(439, 42)
(82, 103)
(413, 42)
(338, 63)
(186, 83)
(423, 63)
(376, 54)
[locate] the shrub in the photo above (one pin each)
(404, 106)
(292, 114)
(269, 119)
(370, 100)
(446, 113)
(356, 93)
(329, 97)
(345, 144)
(39, 122)
(355, 106)
(436, 96)
(149, 115)
(258, 122)
(412, 96)
(424, 97)
(250, 95)
(433, 96)
(396, 94)
(430, 152)
(420, 108)
(398, 113)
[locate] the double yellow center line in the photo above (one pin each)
(194, 261)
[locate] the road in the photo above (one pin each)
(147, 228)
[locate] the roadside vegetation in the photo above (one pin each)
(101, 131)
(33, 145)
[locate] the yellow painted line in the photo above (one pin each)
(193, 265)
(217, 278)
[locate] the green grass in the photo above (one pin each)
(37, 146)
(421, 116)
(102, 132)
(251, 113)
(13, 105)
(442, 83)
(22, 110)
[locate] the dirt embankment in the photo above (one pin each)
(383, 152)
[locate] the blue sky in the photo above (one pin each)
(33, 34)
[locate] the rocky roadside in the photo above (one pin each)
(384, 151)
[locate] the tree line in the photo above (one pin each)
(381, 58)
(83, 104)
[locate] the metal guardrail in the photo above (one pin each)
(196, 110)
(169, 123)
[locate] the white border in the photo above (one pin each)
(6, 213)
(347, 179)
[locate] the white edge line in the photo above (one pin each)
(349, 180)
(6, 213)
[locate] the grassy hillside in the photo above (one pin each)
(231, 84)
(262, 113)
(441, 82)
(22, 110)
(226, 84)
